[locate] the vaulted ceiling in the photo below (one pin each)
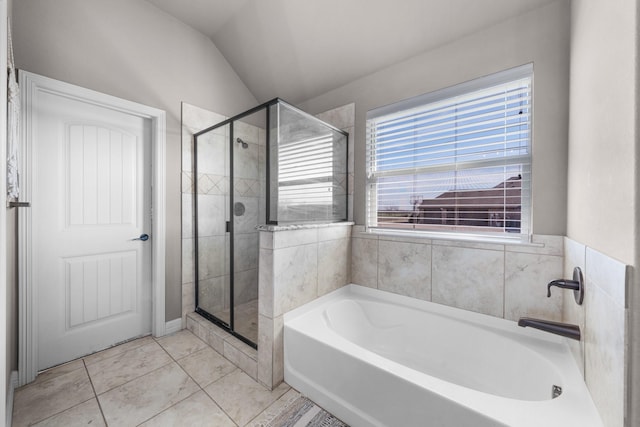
(299, 49)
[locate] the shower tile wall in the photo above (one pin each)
(602, 320)
(507, 281)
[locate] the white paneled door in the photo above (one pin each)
(90, 198)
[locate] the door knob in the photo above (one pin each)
(143, 237)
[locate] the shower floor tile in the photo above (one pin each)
(246, 315)
(182, 382)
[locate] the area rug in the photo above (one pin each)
(302, 412)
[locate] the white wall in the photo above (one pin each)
(603, 189)
(541, 37)
(602, 144)
(131, 49)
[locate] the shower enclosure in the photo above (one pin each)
(273, 165)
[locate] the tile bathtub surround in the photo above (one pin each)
(297, 264)
(188, 384)
(467, 278)
(507, 281)
(602, 320)
(575, 256)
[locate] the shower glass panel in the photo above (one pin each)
(273, 164)
(308, 167)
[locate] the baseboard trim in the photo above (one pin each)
(172, 326)
(13, 384)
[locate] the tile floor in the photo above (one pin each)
(170, 381)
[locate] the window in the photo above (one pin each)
(454, 161)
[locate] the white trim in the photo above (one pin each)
(30, 85)
(159, 206)
(522, 71)
(499, 239)
(3, 211)
(13, 385)
(172, 326)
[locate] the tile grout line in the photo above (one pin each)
(431, 273)
(115, 355)
(271, 404)
(193, 379)
(237, 369)
(64, 410)
(132, 379)
(95, 395)
(173, 360)
(59, 412)
(504, 284)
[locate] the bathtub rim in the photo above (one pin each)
(460, 314)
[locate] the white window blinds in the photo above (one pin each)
(456, 160)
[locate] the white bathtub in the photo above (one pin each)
(373, 358)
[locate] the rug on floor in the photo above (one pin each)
(304, 413)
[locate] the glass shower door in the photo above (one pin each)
(229, 204)
(212, 188)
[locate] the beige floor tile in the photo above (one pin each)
(275, 409)
(241, 397)
(198, 410)
(118, 349)
(206, 366)
(181, 344)
(123, 367)
(42, 399)
(59, 370)
(146, 396)
(84, 414)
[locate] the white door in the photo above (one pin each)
(91, 195)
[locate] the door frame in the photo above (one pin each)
(30, 85)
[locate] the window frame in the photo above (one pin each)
(486, 82)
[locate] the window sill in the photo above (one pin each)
(426, 237)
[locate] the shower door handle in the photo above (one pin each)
(143, 237)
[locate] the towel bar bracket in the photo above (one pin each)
(19, 204)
